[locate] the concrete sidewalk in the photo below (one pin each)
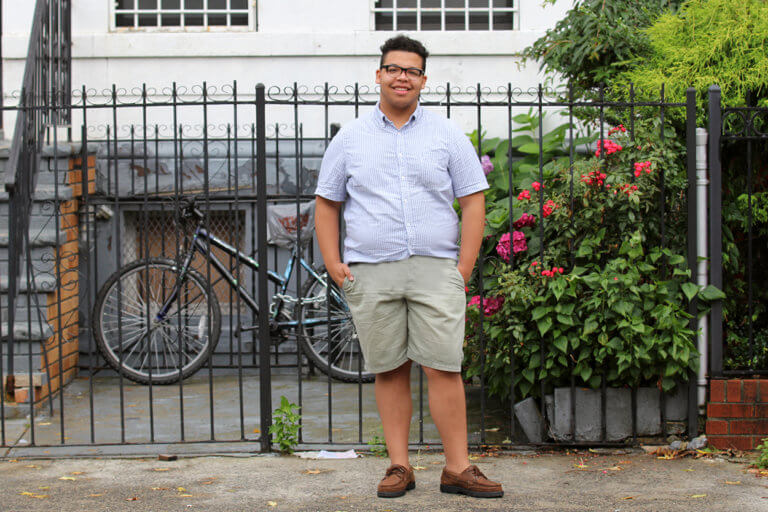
(626, 480)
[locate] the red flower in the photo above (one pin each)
(609, 146)
(525, 194)
(536, 186)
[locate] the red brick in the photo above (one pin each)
(755, 427)
(749, 391)
(763, 390)
(717, 391)
(21, 395)
(734, 391)
(761, 411)
(730, 411)
(717, 427)
(732, 442)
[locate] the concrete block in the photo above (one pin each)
(618, 414)
(531, 421)
(676, 403)
(588, 425)
(23, 379)
(648, 412)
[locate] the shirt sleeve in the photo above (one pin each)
(464, 165)
(332, 181)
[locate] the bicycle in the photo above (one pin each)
(158, 321)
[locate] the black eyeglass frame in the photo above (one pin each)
(419, 72)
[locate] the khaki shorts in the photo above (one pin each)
(408, 309)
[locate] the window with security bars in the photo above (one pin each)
(180, 14)
(445, 15)
(155, 234)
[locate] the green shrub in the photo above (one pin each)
(708, 42)
(597, 40)
(590, 291)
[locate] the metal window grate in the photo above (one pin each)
(181, 14)
(446, 15)
(155, 234)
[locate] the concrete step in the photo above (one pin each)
(26, 331)
(42, 259)
(39, 283)
(25, 301)
(42, 233)
(45, 192)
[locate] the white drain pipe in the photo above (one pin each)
(701, 246)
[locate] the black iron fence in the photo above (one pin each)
(191, 326)
(738, 152)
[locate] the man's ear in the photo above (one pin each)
(423, 82)
(378, 76)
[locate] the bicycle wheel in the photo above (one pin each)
(345, 355)
(138, 345)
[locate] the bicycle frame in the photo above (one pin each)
(202, 241)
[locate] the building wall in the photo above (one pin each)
(297, 40)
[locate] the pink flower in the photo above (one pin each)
(536, 186)
(486, 163)
(525, 194)
(490, 304)
(525, 220)
(519, 244)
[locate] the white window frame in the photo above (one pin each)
(250, 11)
(466, 10)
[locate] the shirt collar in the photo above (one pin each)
(383, 120)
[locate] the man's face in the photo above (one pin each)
(402, 91)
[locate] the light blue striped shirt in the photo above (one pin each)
(398, 186)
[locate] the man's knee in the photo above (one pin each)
(398, 373)
(432, 373)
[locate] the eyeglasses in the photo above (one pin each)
(394, 71)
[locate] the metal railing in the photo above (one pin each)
(44, 101)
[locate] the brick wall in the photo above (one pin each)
(737, 413)
(59, 366)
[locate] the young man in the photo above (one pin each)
(397, 172)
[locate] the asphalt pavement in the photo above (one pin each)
(584, 480)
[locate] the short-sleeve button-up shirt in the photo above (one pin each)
(398, 185)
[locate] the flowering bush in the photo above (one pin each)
(580, 284)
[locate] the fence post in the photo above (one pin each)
(265, 373)
(691, 154)
(715, 231)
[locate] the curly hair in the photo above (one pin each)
(404, 44)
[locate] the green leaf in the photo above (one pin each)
(531, 148)
(540, 312)
(690, 290)
(711, 292)
(561, 343)
(590, 326)
(544, 325)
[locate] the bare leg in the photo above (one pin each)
(393, 398)
(448, 407)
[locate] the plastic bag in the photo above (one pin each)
(282, 224)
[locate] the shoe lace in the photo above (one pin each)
(475, 472)
(396, 469)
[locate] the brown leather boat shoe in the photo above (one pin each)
(397, 480)
(471, 482)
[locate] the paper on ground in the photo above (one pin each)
(324, 454)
